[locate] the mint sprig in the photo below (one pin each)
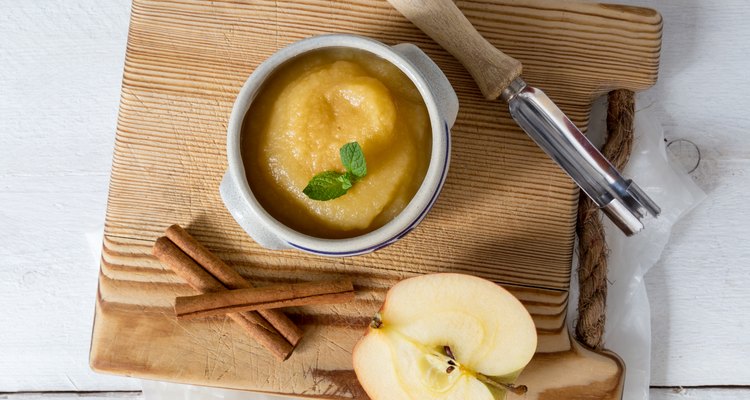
(329, 185)
(353, 159)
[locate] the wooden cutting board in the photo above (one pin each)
(507, 213)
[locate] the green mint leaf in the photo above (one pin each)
(352, 178)
(327, 185)
(353, 159)
(346, 180)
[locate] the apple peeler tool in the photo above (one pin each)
(499, 76)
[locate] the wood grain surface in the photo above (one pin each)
(506, 212)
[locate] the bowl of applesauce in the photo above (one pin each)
(338, 145)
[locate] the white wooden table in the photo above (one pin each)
(60, 71)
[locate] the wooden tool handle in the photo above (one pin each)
(491, 69)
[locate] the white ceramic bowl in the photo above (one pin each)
(442, 105)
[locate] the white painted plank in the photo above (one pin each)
(60, 73)
(72, 396)
(48, 283)
(60, 69)
(700, 394)
(698, 290)
(704, 77)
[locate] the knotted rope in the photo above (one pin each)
(592, 246)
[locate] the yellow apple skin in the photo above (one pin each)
(436, 335)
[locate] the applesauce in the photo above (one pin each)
(306, 111)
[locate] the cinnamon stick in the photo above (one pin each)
(276, 296)
(184, 266)
(230, 278)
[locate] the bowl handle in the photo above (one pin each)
(442, 91)
(247, 218)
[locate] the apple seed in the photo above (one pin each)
(449, 352)
(519, 390)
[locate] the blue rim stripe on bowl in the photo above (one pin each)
(406, 230)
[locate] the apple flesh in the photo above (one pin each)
(445, 336)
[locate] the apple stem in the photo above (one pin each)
(519, 390)
(376, 322)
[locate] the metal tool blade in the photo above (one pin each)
(619, 198)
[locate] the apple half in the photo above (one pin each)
(445, 336)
